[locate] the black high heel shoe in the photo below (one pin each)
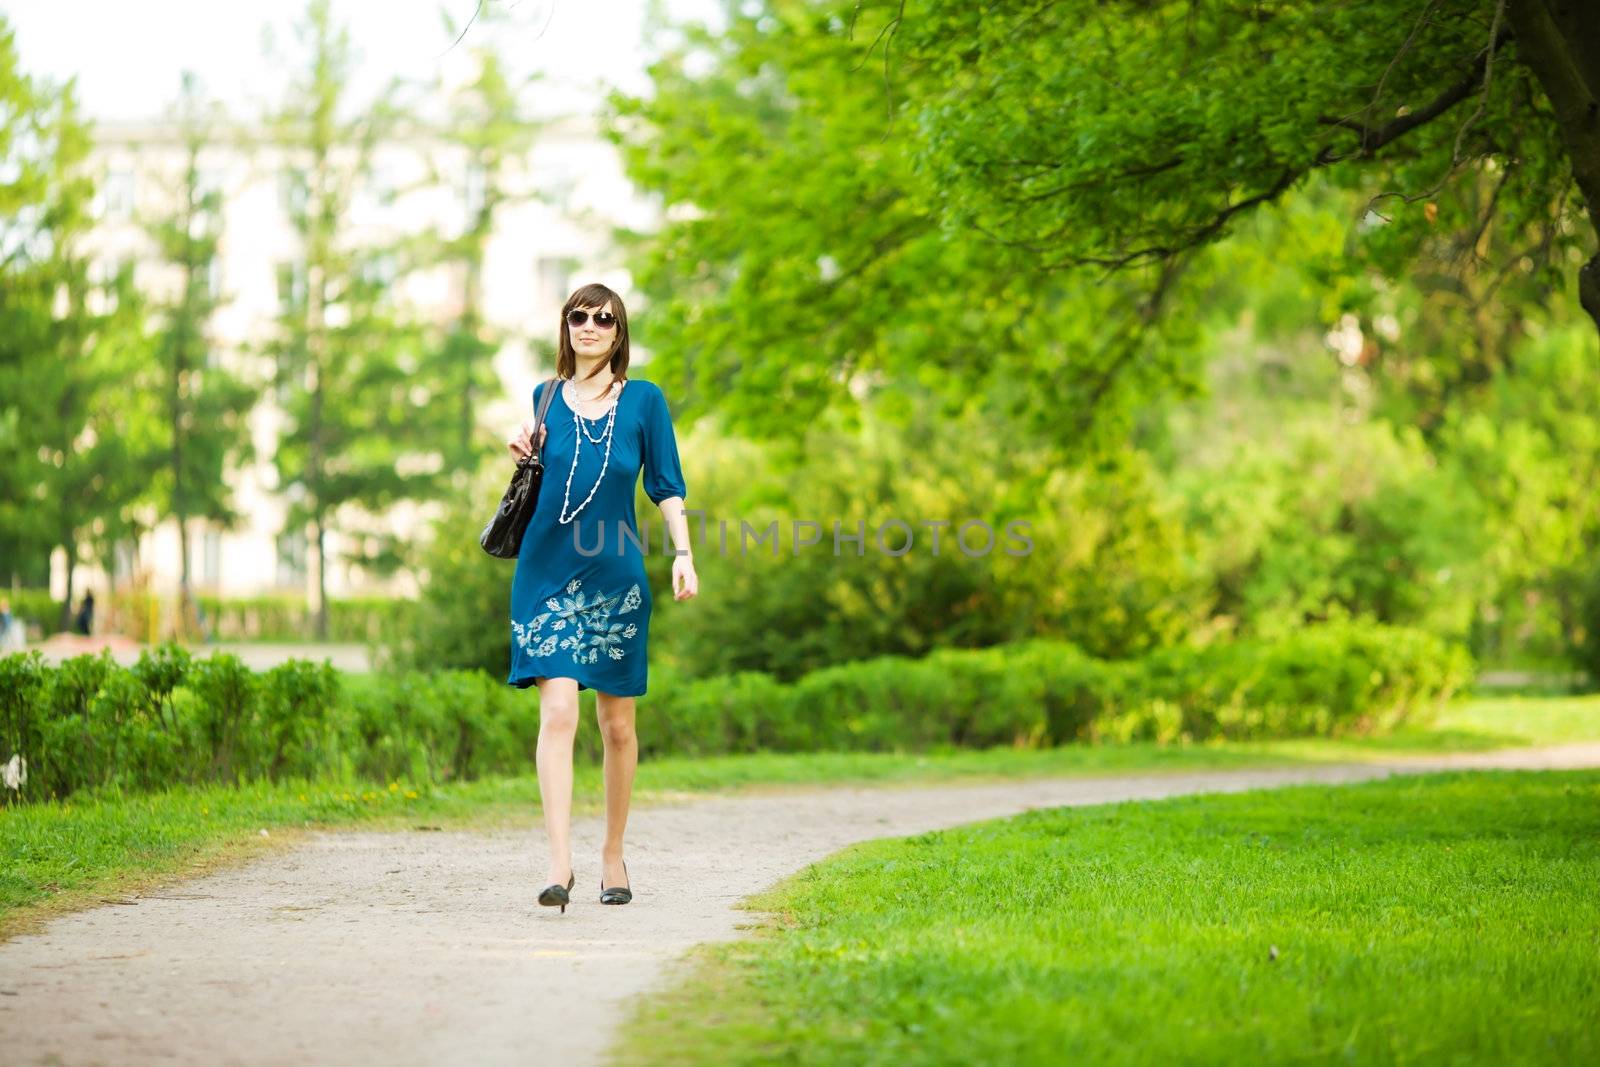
(617, 894)
(556, 893)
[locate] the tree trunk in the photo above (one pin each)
(179, 373)
(322, 583)
(66, 605)
(188, 622)
(317, 354)
(1559, 40)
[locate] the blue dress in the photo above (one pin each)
(581, 609)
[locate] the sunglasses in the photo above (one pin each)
(603, 319)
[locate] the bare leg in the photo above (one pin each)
(558, 727)
(616, 715)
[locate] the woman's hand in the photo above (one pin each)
(521, 444)
(685, 582)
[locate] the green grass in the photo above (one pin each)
(1448, 918)
(1504, 721)
(58, 856)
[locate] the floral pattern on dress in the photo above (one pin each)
(579, 624)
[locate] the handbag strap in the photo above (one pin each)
(538, 416)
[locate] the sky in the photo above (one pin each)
(127, 54)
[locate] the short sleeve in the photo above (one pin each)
(663, 477)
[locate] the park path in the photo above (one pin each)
(428, 947)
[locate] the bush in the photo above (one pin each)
(273, 617)
(37, 611)
(169, 719)
(1337, 678)
(1105, 569)
(462, 618)
(288, 617)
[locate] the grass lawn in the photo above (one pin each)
(1446, 918)
(59, 856)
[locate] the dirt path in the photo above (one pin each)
(428, 948)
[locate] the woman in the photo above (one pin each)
(580, 604)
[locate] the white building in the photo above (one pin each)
(542, 248)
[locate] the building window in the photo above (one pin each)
(291, 286)
(558, 177)
(552, 275)
(385, 184)
(208, 183)
(292, 192)
(117, 194)
(379, 270)
(110, 277)
(214, 278)
(474, 188)
(292, 558)
(211, 558)
(124, 559)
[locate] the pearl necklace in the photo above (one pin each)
(577, 443)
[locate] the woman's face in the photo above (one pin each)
(591, 338)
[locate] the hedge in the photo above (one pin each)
(271, 617)
(172, 719)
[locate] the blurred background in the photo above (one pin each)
(1250, 345)
(337, 228)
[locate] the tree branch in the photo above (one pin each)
(1373, 139)
(1149, 310)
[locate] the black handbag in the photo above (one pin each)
(502, 535)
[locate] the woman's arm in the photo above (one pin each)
(663, 484)
(677, 523)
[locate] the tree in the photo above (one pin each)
(71, 337)
(1114, 134)
(205, 428)
(364, 421)
(25, 309)
(488, 128)
(1019, 203)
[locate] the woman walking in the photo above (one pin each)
(580, 602)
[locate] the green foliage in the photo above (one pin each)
(1341, 678)
(225, 695)
(36, 610)
(74, 447)
(1166, 121)
(204, 433)
(367, 410)
(995, 553)
(170, 719)
(432, 728)
(956, 203)
(1094, 557)
(859, 282)
(1532, 450)
(488, 122)
(1253, 533)
(1329, 517)
(281, 617)
(285, 617)
(1355, 469)
(461, 619)
(1337, 678)
(1006, 203)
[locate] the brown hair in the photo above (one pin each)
(591, 296)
